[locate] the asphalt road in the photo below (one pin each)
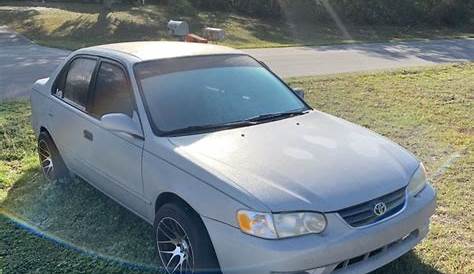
(306, 61)
(23, 62)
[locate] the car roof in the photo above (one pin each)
(145, 51)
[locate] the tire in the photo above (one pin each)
(51, 162)
(176, 219)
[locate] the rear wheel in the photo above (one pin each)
(51, 163)
(182, 241)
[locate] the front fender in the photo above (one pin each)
(160, 176)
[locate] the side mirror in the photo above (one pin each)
(299, 92)
(120, 122)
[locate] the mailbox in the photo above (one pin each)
(178, 28)
(214, 34)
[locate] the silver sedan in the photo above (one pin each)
(234, 170)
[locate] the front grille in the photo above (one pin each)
(363, 214)
(347, 264)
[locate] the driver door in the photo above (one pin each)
(116, 156)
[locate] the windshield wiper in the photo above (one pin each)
(247, 122)
(210, 127)
(278, 115)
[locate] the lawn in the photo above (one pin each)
(429, 111)
(73, 25)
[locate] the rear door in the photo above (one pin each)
(71, 95)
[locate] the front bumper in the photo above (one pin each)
(333, 251)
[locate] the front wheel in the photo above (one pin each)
(182, 241)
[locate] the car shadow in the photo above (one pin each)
(81, 216)
(409, 263)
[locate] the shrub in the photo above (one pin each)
(260, 8)
(405, 12)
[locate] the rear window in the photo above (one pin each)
(77, 82)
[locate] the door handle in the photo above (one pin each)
(88, 135)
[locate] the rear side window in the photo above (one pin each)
(78, 78)
(113, 93)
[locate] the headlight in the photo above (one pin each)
(418, 181)
(281, 225)
(295, 224)
(257, 224)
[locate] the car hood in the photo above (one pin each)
(311, 162)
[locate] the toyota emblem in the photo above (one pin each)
(380, 209)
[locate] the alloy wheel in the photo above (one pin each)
(174, 247)
(46, 160)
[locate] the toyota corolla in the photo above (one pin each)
(237, 173)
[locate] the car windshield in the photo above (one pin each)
(205, 93)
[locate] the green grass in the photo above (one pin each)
(73, 25)
(23, 252)
(429, 111)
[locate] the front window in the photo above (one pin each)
(113, 93)
(194, 94)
